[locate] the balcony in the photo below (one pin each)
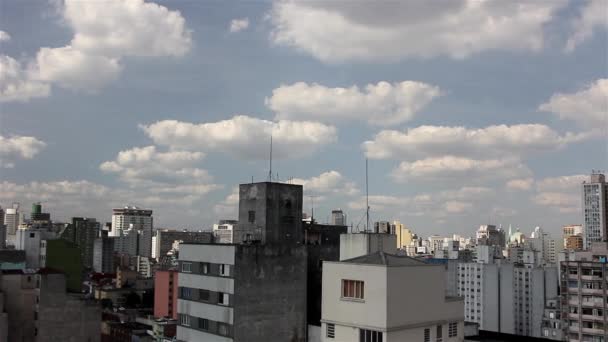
(598, 292)
(593, 331)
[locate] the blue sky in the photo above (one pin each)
(472, 113)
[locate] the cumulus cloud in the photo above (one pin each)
(237, 25)
(16, 83)
(327, 182)
(562, 193)
(513, 140)
(522, 184)
(4, 37)
(243, 136)
(228, 206)
(18, 147)
(365, 31)
(451, 168)
(379, 104)
(161, 172)
(593, 16)
(587, 107)
(49, 191)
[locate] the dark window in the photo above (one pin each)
(32, 235)
(251, 216)
(288, 204)
(203, 324)
(370, 335)
(203, 295)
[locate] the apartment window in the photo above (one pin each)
(427, 335)
(370, 335)
(439, 336)
(224, 270)
(331, 330)
(222, 329)
(184, 320)
(222, 298)
(453, 329)
(353, 289)
(203, 324)
(251, 216)
(203, 295)
(204, 268)
(186, 293)
(186, 267)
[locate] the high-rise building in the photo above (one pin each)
(574, 243)
(11, 219)
(571, 230)
(338, 218)
(83, 232)
(103, 254)
(2, 230)
(136, 223)
(404, 235)
(595, 209)
(383, 227)
(223, 231)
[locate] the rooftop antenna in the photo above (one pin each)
(366, 196)
(312, 209)
(270, 170)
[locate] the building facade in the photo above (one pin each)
(338, 218)
(83, 232)
(165, 293)
(223, 231)
(103, 255)
(166, 237)
(595, 209)
(134, 222)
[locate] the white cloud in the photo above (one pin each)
(237, 25)
(587, 107)
(51, 191)
(243, 136)
(457, 207)
(71, 68)
(161, 172)
(593, 16)
(379, 104)
(4, 37)
(15, 83)
(485, 142)
(228, 206)
(365, 31)
(327, 182)
(563, 202)
(452, 168)
(522, 184)
(569, 183)
(562, 193)
(18, 147)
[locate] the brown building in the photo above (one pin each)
(574, 243)
(165, 293)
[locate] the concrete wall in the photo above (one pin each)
(358, 244)
(507, 303)
(20, 298)
(317, 255)
(216, 254)
(186, 334)
(490, 296)
(165, 289)
(270, 293)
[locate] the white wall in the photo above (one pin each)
(216, 254)
(358, 244)
(185, 334)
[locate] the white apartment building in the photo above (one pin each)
(507, 298)
(224, 231)
(435, 243)
(133, 221)
(11, 220)
(382, 297)
(595, 209)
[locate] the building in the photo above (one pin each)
(165, 293)
(220, 285)
(435, 243)
(222, 232)
(83, 232)
(12, 259)
(584, 296)
(571, 230)
(574, 243)
(338, 218)
(165, 239)
(40, 310)
(143, 266)
(137, 223)
(490, 236)
(385, 297)
(30, 240)
(505, 297)
(66, 257)
(404, 235)
(552, 326)
(11, 219)
(103, 254)
(595, 209)
(383, 227)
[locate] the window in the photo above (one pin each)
(222, 298)
(453, 329)
(186, 267)
(427, 335)
(331, 330)
(251, 216)
(204, 268)
(222, 329)
(203, 323)
(184, 320)
(353, 289)
(186, 293)
(203, 295)
(224, 270)
(439, 337)
(370, 336)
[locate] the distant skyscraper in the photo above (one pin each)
(571, 230)
(404, 235)
(338, 218)
(136, 221)
(595, 209)
(83, 232)
(2, 230)
(11, 219)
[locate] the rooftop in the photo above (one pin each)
(390, 260)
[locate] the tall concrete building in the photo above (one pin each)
(11, 219)
(595, 209)
(571, 230)
(165, 293)
(224, 230)
(83, 232)
(134, 221)
(404, 235)
(584, 295)
(383, 297)
(221, 285)
(103, 254)
(2, 230)
(338, 218)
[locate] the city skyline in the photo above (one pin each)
(468, 128)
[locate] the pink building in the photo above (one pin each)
(165, 293)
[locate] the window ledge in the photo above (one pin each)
(350, 299)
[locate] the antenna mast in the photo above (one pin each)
(270, 170)
(366, 196)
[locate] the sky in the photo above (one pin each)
(469, 112)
